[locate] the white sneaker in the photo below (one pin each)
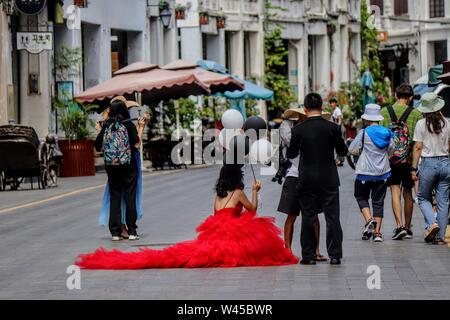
(133, 237)
(116, 238)
(377, 237)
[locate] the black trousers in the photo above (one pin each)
(313, 201)
(122, 181)
(375, 190)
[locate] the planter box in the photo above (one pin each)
(204, 19)
(78, 158)
(180, 14)
(220, 23)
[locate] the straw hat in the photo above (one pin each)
(294, 113)
(326, 115)
(128, 103)
(430, 103)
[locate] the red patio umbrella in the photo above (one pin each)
(154, 83)
(216, 83)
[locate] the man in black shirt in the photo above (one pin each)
(316, 139)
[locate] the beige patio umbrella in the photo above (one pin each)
(216, 83)
(155, 85)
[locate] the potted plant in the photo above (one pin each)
(204, 17)
(331, 27)
(77, 149)
(220, 21)
(163, 5)
(180, 12)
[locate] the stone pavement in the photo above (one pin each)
(38, 243)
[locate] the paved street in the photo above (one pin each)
(39, 242)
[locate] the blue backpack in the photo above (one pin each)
(116, 145)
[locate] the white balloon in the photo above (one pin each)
(232, 119)
(226, 135)
(261, 151)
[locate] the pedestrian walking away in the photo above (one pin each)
(373, 145)
(432, 143)
(401, 119)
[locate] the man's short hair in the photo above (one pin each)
(404, 91)
(313, 101)
(332, 100)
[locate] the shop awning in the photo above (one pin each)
(154, 83)
(215, 82)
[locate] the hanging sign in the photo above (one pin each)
(30, 7)
(34, 42)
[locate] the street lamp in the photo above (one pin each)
(398, 52)
(165, 14)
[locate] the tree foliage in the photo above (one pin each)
(370, 57)
(275, 54)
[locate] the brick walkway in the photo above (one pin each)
(40, 242)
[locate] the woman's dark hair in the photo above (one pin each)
(118, 111)
(435, 122)
(230, 179)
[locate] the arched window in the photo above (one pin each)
(400, 7)
(379, 3)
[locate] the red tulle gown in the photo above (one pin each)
(227, 239)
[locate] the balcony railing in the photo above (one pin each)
(251, 7)
(231, 6)
(211, 5)
(290, 8)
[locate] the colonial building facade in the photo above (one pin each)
(322, 38)
(415, 36)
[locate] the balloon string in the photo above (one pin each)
(253, 171)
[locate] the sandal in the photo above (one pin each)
(320, 258)
(438, 241)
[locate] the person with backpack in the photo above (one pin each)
(401, 119)
(373, 145)
(432, 144)
(103, 219)
(119, 140)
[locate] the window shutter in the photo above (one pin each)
(401, 7)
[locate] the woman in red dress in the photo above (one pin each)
(230, 238)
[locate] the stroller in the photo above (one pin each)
(23, 156)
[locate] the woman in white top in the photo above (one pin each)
(432, 143)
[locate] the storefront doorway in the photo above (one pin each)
(119, 50)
